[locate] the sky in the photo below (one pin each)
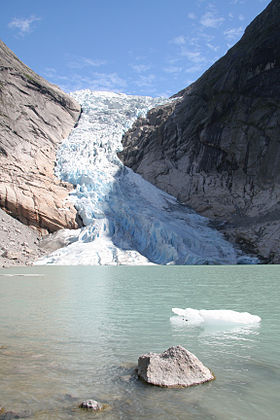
(147, 47)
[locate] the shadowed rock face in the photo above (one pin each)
(34, 117)
(217, 146)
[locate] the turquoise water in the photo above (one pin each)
(73, 333)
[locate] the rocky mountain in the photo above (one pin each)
(216, 147)
(34, 117)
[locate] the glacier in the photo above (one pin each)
(126, 219)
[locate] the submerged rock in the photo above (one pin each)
(175, 367)
(10, 415)
(92, 405)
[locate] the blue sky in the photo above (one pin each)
(147, 47)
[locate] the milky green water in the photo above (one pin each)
(73, 333)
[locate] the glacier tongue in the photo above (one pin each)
(127, 220)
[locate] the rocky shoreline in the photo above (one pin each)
(20, 244)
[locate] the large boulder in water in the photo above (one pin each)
(175, 367)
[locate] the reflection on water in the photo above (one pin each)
(21, 275)
(72, 333)
(238, 332)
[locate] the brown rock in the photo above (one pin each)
(34, 118)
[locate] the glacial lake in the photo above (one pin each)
(73, 333)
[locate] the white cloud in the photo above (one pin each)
(173, 69)
(109, 81)
(140, 68)
(197, 42)
(213, 47)
(193, 56)
(50, 70)
(210, 20)
(145, 81)
(79, 62)
(179, 40)
(23, 25)
(93, 63)
(137, 57)
(194, 69)
(95, 81)
(191, 16)
(234, 33)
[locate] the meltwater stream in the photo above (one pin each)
(127, 220)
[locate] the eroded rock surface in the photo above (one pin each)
(34, 117)
(217, 146)
(175, 367)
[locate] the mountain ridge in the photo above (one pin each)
(216, 147)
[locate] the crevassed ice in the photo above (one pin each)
(127, 220)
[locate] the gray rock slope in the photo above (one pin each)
(19, 244)
(217, 146)
(34, 117)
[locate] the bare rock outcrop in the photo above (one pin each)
(216, 148)
(34, 117)
(19, 244)
(175, 367)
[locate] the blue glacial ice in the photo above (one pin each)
(127, 220)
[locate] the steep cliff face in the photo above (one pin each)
(217, 146)
(34, 117)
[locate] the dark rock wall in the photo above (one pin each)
(217, 147)
(34, 117)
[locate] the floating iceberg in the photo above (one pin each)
(218, 316)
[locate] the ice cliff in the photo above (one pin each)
(127, 220)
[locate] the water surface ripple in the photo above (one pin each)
(73, 333)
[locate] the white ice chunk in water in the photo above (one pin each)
(217, 316)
